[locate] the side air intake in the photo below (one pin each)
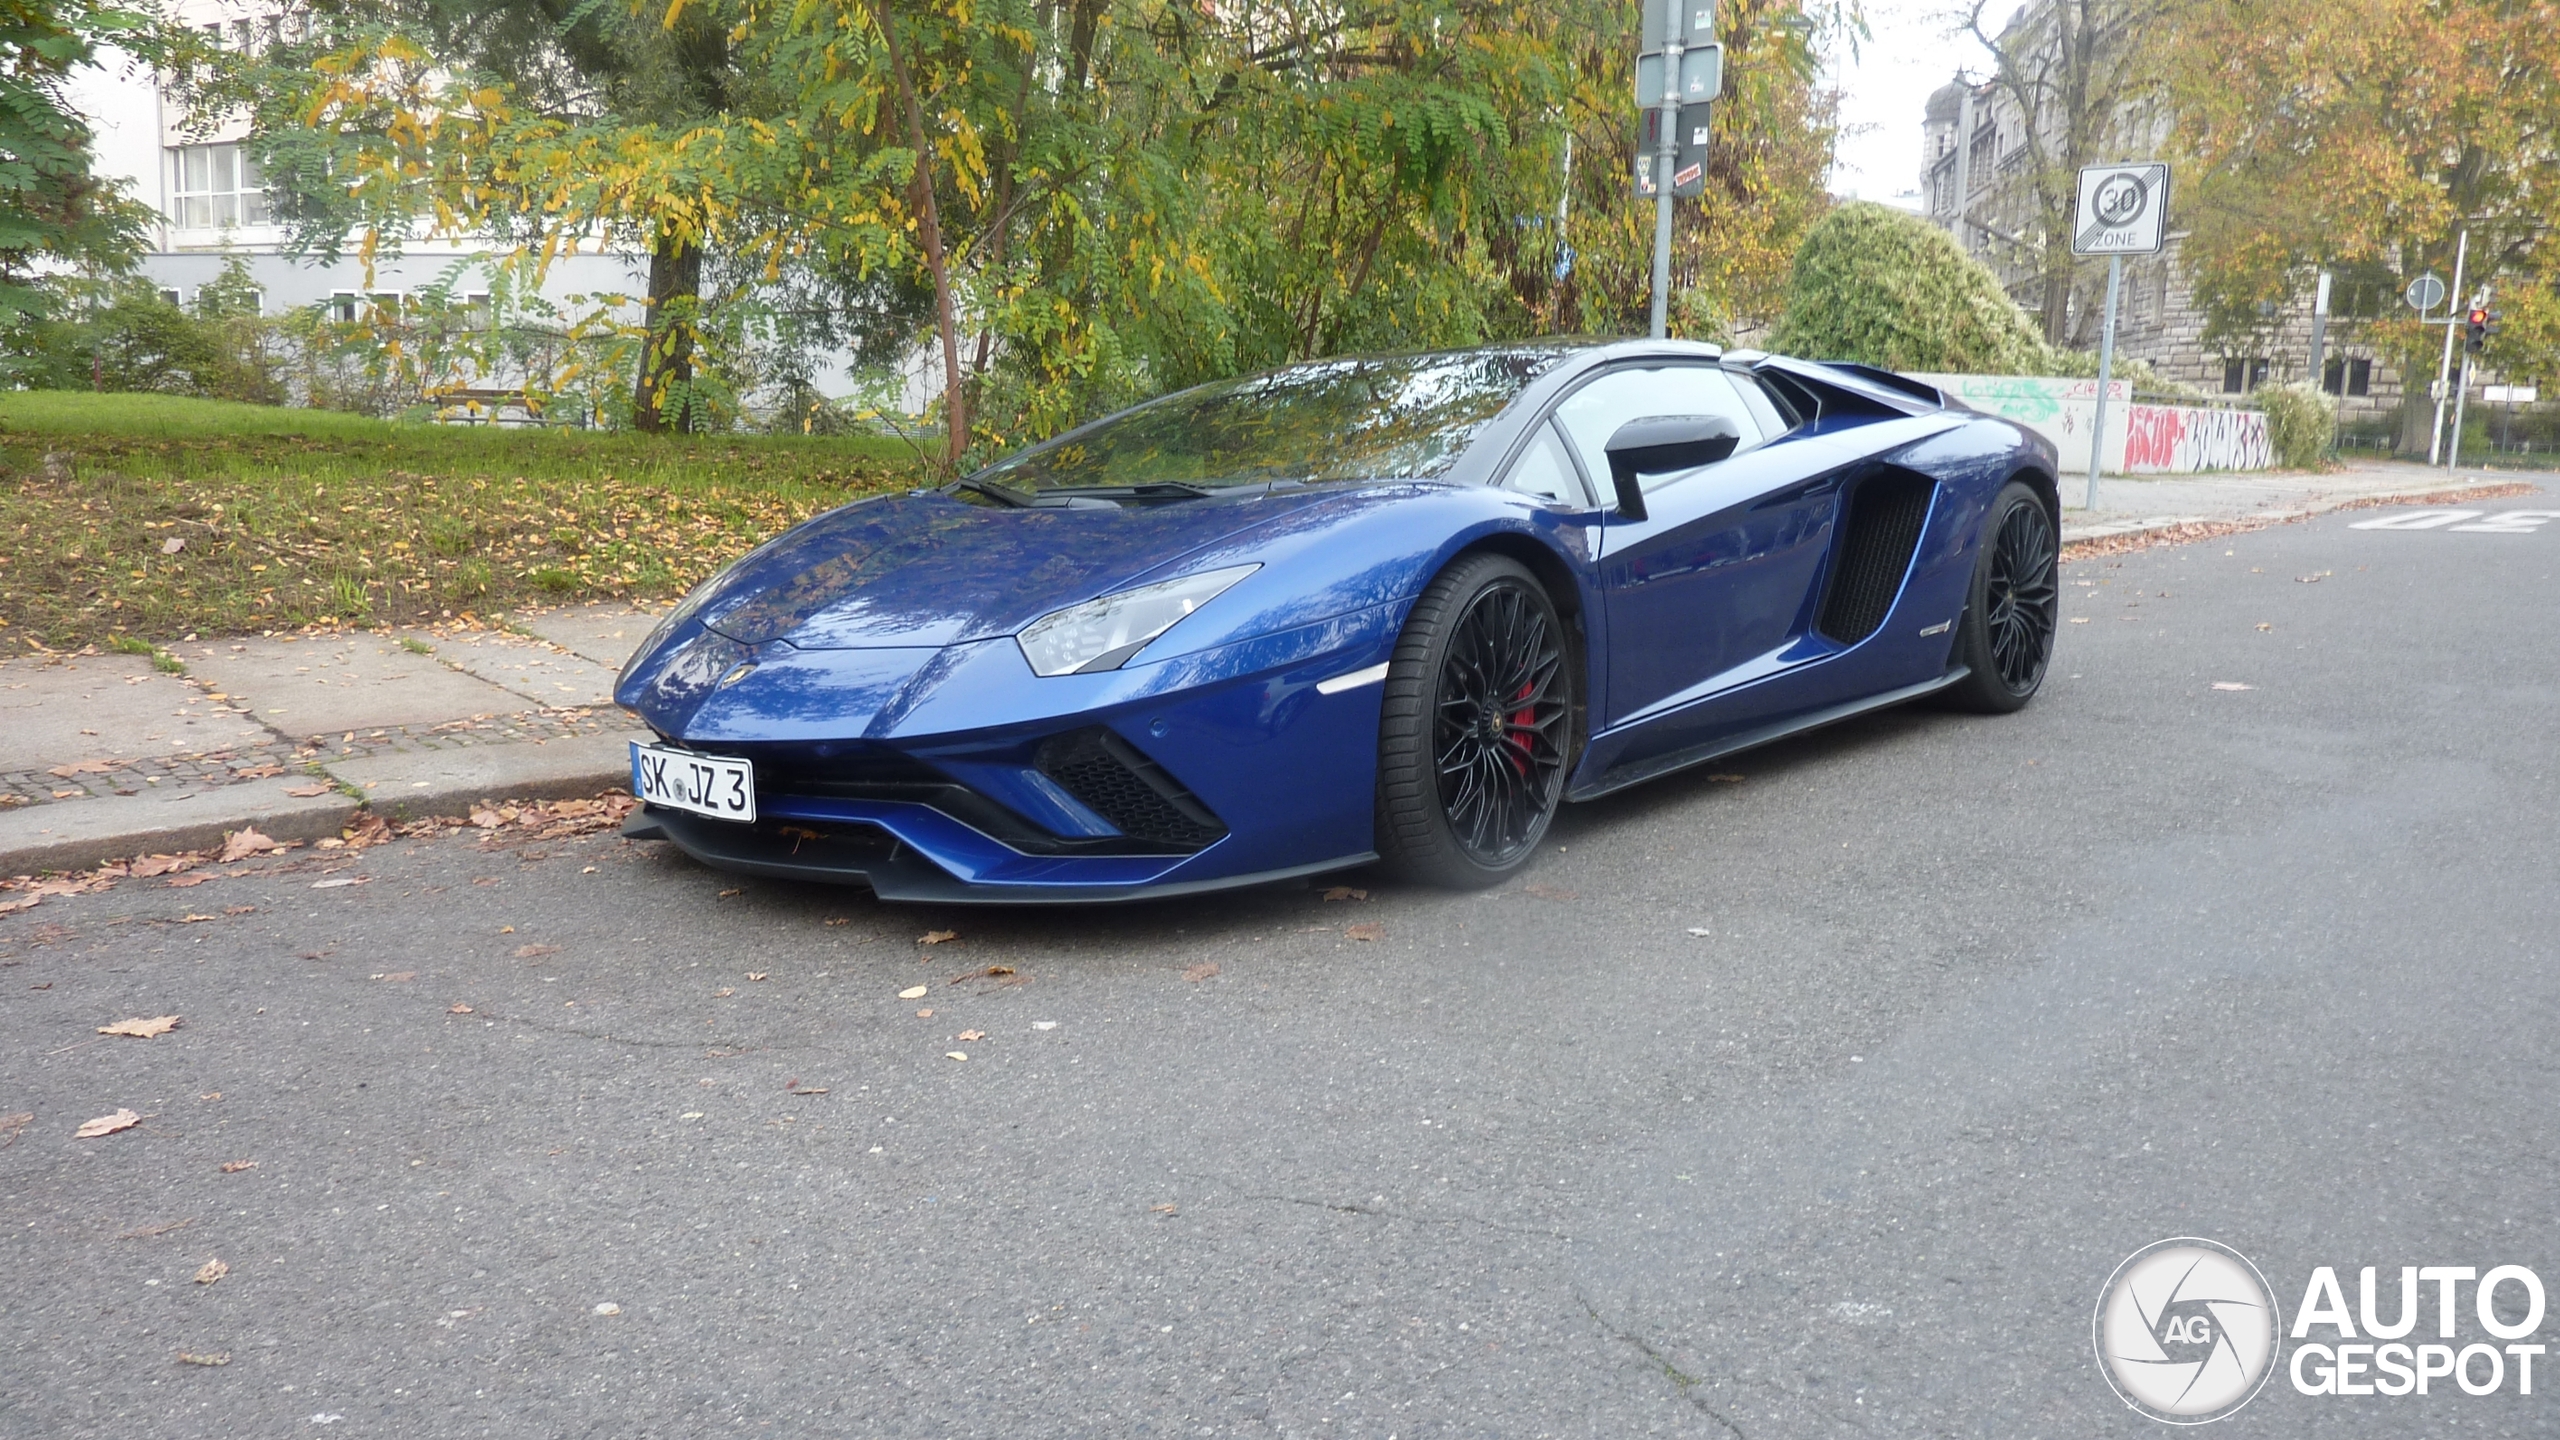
(1879, 531)
(1118, 782)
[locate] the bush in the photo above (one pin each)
(2299, 422)
(1884, 287)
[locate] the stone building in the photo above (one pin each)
(1974, 181)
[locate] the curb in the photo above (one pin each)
(2258, 519)
(428, 783)
(76, 834)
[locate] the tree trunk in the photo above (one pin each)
(955, 404)
(662, 399)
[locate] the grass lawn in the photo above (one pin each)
(205, 516)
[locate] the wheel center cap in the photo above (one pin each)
(1489, 723)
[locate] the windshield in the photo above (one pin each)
(1406, 417)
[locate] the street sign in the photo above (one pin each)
(2424, 293)
(2124, 210)
(1696, 19)
(1689, 163)
(2510, 394)
(1701, 76)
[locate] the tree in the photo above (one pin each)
(52, 209)
(1885, 287)
(2366, 136)
(2082, 77)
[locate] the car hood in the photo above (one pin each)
(925, 569)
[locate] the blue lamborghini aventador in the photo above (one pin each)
(1376, 610)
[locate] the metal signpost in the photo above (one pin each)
(2124, 210)
(1679, 70)
(2444, 367)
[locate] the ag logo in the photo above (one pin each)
(2186, 1331)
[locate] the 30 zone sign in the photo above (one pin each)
(2464, 522)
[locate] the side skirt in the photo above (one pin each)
(1660, 765)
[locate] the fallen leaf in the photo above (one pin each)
(213, 1270)
(241, 844)
(239, 909)
(106, 1125)
(608, 1308)
(187, 882)
(26, 902)
(531, 952)
(967, 1035)
(2231, 685)
(936, 937)
(1729, 779)
(1164, 1209)
(397, 977)
(839, 919)
(757, 974)
(914, 992)
(725, 894)
(141, 1029)
(10, 1125)
(173, 544)
(368, 829)
(150, 865)
(258, 772)
(2263, 625)
(83, 767)
(924, 1014)
(1366, 932)
(458, 1010)
(1346, 892)
(305, 792)
(234, 1167)
(723, 993)
(193, 919)
(218, 1357)
(1549, 892)
(341, 882)
(1201, 971)
(487, 819)
(955, 1055)
(2079, 619)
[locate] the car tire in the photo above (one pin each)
(2005, 639)
(1475, 730)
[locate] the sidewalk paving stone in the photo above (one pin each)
(64, 711)
(540, 671)
(606, 634)
(332, 684)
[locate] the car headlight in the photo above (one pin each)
(1100, 634)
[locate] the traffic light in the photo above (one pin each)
(2478, 325)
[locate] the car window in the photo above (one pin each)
(1593, 413)
(1773, 422)
(1546, 471)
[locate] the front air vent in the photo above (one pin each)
(1879, 530)
(1116, 781)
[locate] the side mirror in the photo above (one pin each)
(1665, 442)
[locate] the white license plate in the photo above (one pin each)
(713, 785)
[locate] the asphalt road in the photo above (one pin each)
(1982, 1007)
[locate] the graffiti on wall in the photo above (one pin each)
(2177, 439)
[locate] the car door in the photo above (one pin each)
(1708, 588)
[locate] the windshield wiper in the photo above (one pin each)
(1010, 499)
(1153, 490)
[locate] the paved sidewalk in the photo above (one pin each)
(103, 757)
(2132, 504)
(108, 756)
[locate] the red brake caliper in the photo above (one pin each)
(1520, 720)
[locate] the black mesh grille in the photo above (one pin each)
(1879, 532)
(1119, 783)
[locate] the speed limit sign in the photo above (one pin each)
(2124, 210)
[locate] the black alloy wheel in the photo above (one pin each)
(1475, 732)
(2006, 639)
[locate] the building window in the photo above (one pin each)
(219, 186)
(2347, 376)
(344, 305)
(2242, 376)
